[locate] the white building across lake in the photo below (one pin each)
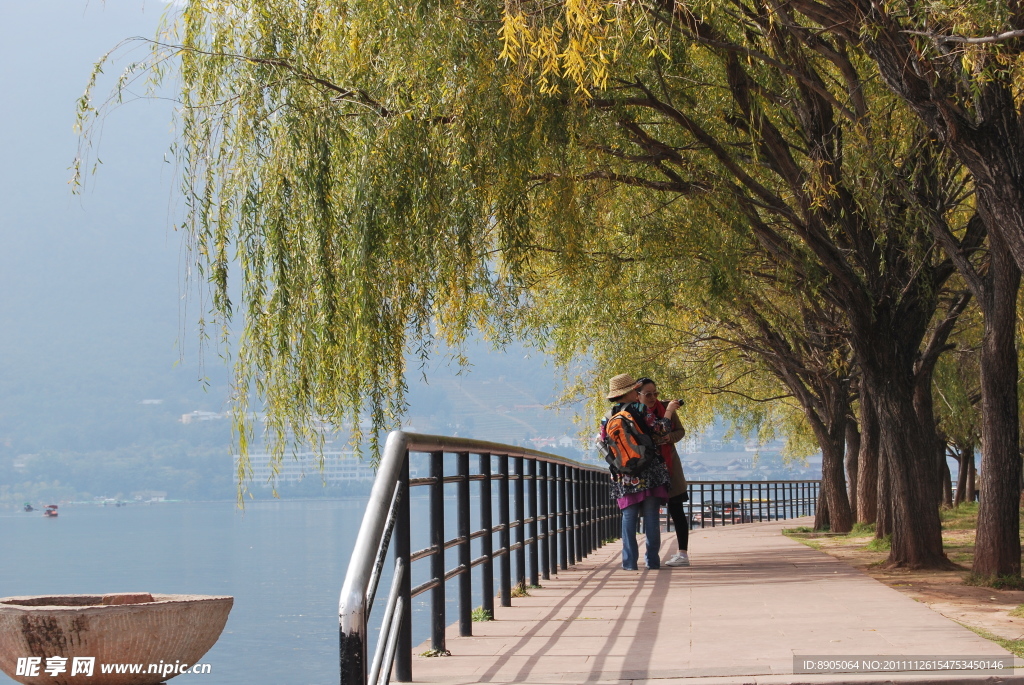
(338, 467)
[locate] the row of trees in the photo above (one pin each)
(806, 213)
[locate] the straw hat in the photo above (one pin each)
(620, 385)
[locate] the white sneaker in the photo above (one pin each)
(680, 559)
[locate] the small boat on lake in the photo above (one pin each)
(51, 511)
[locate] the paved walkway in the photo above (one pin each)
(751, 601)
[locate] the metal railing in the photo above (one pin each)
(559, 510)
(723, 502)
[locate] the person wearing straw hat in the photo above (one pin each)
(642, 494)
(665, 440)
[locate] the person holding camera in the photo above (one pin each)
(658, 410)
(643, 492)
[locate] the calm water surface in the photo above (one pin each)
(283, 562)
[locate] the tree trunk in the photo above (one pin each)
(832, 439)
(997, 546)
(852, 466)
(910, 464)
(883, 515)
(867, 475)
(972, 491)
(822, 521)
(947, 486)
(924, 406)
(833, 486)
(964, 454)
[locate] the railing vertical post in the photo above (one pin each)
(505, 539)
(465, 556)
(553, 518)
(531, 513)
(403, 653)
(576, 541)
(602, 504)
(593, 516)
(437, 604)
(563, 523)
(520, 524)
(732, 501)
(570, 513)
(703, 509)
(487, 539)
(606, 512)
(545, 529)
(593, 544)
(760, 502)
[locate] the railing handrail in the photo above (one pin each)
(367, 554)
(571, 514)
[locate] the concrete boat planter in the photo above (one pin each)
(134, 628)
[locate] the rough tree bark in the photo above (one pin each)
(997, 546)
(867, 475)
(852, 464)
(883, 515)
(962, 456)
(946, 484)
(916, 528)
(972, 471)
(822, 521)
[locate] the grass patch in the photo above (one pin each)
(520, 591)
(880, 545)
(480, 615)
(1015, 647)
(1018, 612)
(964, 517)
(859, 530)
(608, 541)
(996, 582)
(803, 535)
(435, 652)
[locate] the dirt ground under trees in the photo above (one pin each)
(997, 614)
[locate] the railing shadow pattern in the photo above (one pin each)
(559, 511)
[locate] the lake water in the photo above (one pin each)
(283, 561)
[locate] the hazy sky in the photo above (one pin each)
(91, 284)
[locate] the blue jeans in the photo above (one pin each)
(652, 524)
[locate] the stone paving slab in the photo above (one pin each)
(752, 600)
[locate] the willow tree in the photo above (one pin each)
(361, 167)
(385, 173)
(960, 66)
(708, 315)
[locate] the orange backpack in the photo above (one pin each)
(627, 448)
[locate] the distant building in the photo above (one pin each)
(339, 467)
(196, 416)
